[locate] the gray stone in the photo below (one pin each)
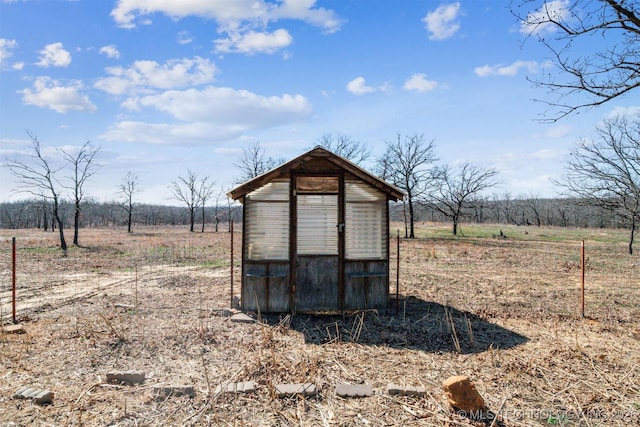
(290, 390)
(394, 389)
(354, 390)
(242, 318)
(241, 387)
(40, 397)
(176, 391)
(125, 377)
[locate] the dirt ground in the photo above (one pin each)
(505, 312)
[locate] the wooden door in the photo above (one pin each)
(317, 261)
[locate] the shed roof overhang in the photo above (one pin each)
(391, 191)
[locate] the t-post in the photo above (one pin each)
(13, 279)
(231, 251)
(582, 268)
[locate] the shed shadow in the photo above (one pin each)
(419, 325)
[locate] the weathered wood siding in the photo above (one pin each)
(266, 286)
(366, 284)
(317, 283)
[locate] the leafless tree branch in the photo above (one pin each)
(609, 30)
(38, 178)
(605, 170)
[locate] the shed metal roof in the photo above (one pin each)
(318, 152)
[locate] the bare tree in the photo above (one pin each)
(83, 167)
(39, 179)
(605, 170)
(406, 163)
(186, 190)
(254, 162)
(610, 69)
(451, 192)
(128, 188)
(344, 146)
(507, 206)
(534, 203)
(216, 209)
(205, 192)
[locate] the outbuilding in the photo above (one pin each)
(315, 236)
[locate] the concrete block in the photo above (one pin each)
(125, 377)
(400, 390)
(175, 391)
(242, 318)
(14, 329)
(222, 312)
(354, 390)
(40, 397)
(290, 390)
(241, 387)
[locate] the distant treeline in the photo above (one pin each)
(37, 214)
(533, 212)
(562, 212)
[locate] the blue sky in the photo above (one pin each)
(163, 86)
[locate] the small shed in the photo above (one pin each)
(315, 236)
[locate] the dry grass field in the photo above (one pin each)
(505, 312)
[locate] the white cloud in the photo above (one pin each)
(548, 154)
(49, 93)
(54, 55)
(508, 70)
(148, 75)
(304, 10)
(617, 111)
(6, 48)
(224, 105)
(358, 86)
(441, 23)
(538, 22)
(228, 12)
(126, 11)
(184, 37)
(17, 66)
(12, 146)
(558, 131)
(419, 83)
(239, 19)
(540, 185)
(166, 133)
(254, 42)
(111, 51)
(211, 114)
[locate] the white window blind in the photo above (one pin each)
(317, 224)
(274, 191)
(365, 222)
(267, 222)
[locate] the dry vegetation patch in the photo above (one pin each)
(502, 311)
